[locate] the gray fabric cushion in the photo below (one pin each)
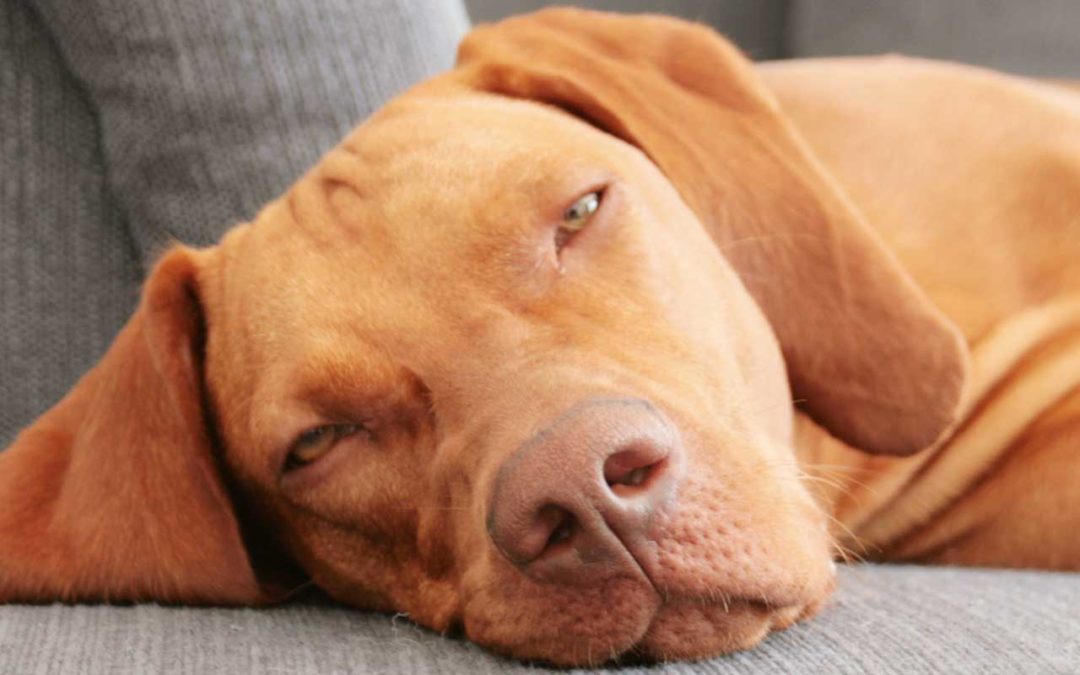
(1033, 38)
(170, 121)
(69, 275)
(882, 620)
(209, 109)
(757, 26)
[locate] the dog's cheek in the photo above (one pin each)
(725, 539)
(340, 559)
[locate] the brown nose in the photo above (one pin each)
(580, 498)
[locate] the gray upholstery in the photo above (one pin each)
(755, 25)
(882, 620)
(127, 123)
(208, 109)
(69, 276)
(1033, 38)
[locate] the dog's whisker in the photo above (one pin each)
(839, 468)
(768, 236)
(295, 590)
(839, 488)
(855, 482)
(855, 539)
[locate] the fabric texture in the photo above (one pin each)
(756, 26)
(68, 271)
(886, 619)
(1030, 38)
(125, 125)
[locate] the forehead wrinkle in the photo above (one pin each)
(328, 204)
(473, 221)
(431, 175)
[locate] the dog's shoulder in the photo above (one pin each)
(971, 176)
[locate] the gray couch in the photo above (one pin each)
(126, 124)
(882, 620)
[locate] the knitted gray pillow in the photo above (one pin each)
(130, 123)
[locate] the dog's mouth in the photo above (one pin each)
(667, 614)
(696, 623)
(677, 629)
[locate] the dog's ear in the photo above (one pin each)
(868, 356)
(115, 493)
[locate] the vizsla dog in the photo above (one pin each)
(606, 342)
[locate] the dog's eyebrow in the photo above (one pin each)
(345, 383)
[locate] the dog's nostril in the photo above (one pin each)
(637, 476)
(559, 526)
(633, 467)
(634, 481)
(562, 531)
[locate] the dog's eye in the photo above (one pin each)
(316, 442)
(577, 216)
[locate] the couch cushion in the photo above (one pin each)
(210, 109)
(1021, 37)
(886, 619)
(757, 27)
(125, 124)
(69, 276)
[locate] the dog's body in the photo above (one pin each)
(423, 381)
(972, 178)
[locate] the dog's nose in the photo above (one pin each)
(581, 497)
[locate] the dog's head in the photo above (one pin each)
(520, 356)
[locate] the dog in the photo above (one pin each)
(605, 343)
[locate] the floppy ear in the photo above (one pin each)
(114, 494)
(868, 356)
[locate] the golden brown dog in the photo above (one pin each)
(520, 355)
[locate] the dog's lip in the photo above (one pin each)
(639, 647)
(774, 616)
(738, 621)
(670, 600)
(767, 619)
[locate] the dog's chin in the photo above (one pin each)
(679, 630)
(631, 621)
(685, 630)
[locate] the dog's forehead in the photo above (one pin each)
(434, 201)
(433, 183)
(421, 120)
(470, 148)
(452, 176)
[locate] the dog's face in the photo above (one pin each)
(458, 397)
(521, 369)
